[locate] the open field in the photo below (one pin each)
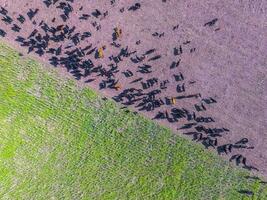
(59, 141)
(196, 66)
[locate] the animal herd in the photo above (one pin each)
(64, 46)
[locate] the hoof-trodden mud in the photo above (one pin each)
(194, 66)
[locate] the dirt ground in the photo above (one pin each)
(219, 48)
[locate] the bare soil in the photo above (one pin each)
(221, 46)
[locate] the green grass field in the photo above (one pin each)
(59, 141)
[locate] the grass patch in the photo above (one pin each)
(58, 141)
